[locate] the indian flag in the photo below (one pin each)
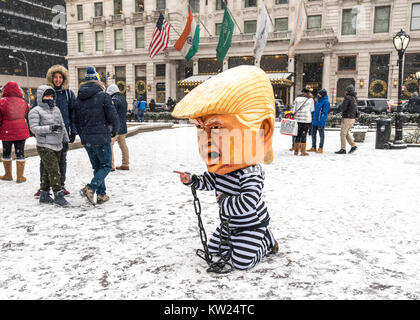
(187, 43)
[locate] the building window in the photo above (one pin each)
(342, 84)
(281, 24)
(218, 27)
(314, 22)
(98, 9)
(378, 76)
(415, 16)
(347, 63)
(120, 79)
(282, 1)
(140, 37)
(250, 3)
(99, 39)
(118, 6)
(80, 42)
(194, 6)
(220, 4)
(348, 26)
(80, 12)
(209, 66)
(250, 26)
(382, 15)
(139, 6)
(160, 4)
(118, 39)
(160, 70)
(238, 61)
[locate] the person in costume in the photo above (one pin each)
(234, 114)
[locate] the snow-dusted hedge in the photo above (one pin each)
(367, 119)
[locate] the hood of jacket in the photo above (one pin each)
(89, 89)
(112, 89)
(11, 89)
(40, 93)
(64, 72)
(324, 98)
(352, 94)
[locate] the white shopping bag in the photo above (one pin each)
(289, 126)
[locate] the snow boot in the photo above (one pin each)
(59, 199)
(37, 194)
(66, 192)
(89, 194)
(101, 198)
(303, 150)
(312, 149)
(20, 168)
(7, 164)
(123, 167)
(353, 149)
(341, 151)
(296, 148)
(44, 197)
(320, 150)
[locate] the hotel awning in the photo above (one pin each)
(194, 81)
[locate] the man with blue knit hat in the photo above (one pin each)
(96, 121)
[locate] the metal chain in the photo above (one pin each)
(218, 266)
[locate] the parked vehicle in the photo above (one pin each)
(280, 107)
(369, 105)
(160, 107)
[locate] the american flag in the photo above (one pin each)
(160, 37)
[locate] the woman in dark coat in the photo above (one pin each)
(13, 130)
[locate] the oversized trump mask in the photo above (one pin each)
(234, 114)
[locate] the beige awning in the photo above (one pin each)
(194, 81)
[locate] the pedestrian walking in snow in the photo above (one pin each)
(319, 120)
(94, 113)
(121, 106)
(349, 113)
(58, 78)
(244, 236)
(46, 122)
(13, 130)
(302, 109)
(141, 108)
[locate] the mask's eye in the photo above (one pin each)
(199, 126)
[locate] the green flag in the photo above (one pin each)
(225, 37)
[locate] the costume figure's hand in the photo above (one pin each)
(184, 177)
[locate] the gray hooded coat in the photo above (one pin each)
(41, 118)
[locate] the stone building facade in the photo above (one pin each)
(346, 42)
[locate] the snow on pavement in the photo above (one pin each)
(347, 226)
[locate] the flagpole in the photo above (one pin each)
(226, 6)
(271, 20)
(174, 29)
(201, 22)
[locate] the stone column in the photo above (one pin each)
(170, 80)
(130, 82)
(326, 73)
(291, 68)
(195, 67)
(150, 77)
(110, 70)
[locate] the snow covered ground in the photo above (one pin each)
(347, 226)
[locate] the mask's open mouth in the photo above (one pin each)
(214, 155)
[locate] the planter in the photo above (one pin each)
(359, 136)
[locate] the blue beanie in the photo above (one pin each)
(91, 74)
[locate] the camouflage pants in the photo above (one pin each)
(51, 175)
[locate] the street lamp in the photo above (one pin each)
(418, 77)
(27, 70)
(401, 41)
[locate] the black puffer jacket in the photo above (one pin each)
(349, 106)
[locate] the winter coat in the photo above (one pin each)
(141, 105)
(303, 108)
(322, 106)
(414, 105)
(65, 98)
(120, 105)
(41, 118)
(94, 112)
(349, 106)
(13, 114)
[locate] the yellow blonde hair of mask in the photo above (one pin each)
(243, 91)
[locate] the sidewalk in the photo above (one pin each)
(133, 129)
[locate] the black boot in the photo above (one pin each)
(353, 149)
(342, 151)
(59, 199)
(44, 197)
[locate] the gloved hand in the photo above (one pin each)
(113, 134)
(72, 137)
(55, 127)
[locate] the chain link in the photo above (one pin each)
(222, 265)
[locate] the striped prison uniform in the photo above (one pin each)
(251, 239)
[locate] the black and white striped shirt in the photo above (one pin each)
(242, 191)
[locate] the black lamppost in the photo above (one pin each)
(418, 78)
(401, 41)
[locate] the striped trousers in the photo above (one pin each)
(249, 247)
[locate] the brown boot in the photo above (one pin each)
(101, 198)
(319, 150)
(123, 167)
(297, 148)
(89, 194)
(311, 150)
(303, 150)
(20, 168)
(7, 164)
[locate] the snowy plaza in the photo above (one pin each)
(347, 228)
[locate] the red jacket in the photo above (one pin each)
(13, 114)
